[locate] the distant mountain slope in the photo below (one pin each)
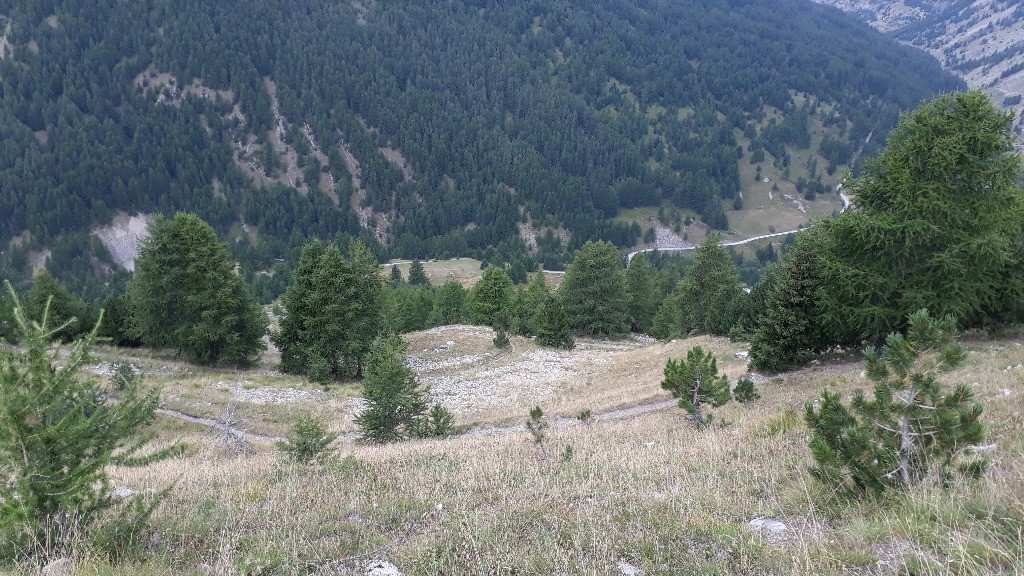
(980, 40)
(425, 128)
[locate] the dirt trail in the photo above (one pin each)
(560, 422)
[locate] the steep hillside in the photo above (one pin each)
(454, 129)
(637, 488)
(980, 40)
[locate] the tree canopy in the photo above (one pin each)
(186, 295)
(937, 224)
(332, 312)
(594, 294)
(449, 124)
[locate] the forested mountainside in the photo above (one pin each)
(980, 40)
(426, 128)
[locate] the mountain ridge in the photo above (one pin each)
(980, 40)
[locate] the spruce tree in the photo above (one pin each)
(417, 275)
(552, 326)
(490, 298)
(708, 291)
(912, 428)
(788, 327)
(308, 439)
(186, 295)
(449, 304)
(643, 293)
(396, 405)
(594, 294)
(59, 431)
(695, 382)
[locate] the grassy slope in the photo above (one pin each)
(648, 489)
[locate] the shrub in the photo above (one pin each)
(912, 429)
(695, 381)
(745, 391)
(308, 439)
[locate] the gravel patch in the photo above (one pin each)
(246, 391)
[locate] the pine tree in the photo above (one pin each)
(417, 275)
(552, 326)
(58, 434)
(186, 295)
(745, 391)
(396, 405)
(911, 428)
(695, 381)
(593, 293)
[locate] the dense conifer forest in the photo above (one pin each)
(422, 129)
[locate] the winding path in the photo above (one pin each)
(842, 196)
(561, 422)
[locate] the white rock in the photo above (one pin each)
(767, 525)
(121, 492)
(382, 568)
(743, 355)
(59, 567)
(627, 569)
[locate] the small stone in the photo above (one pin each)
(382, 568)
(742, 355)
(627, 569)
(59, 567)
(767, 525)
(122, 492)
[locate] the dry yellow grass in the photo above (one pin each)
(648, 490)
(465, 271)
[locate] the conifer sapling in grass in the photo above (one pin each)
(396, 403)
(59, 431)
(536, 426)
(745, 391)
(912, 429)
(308, 440)
(695, 382)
